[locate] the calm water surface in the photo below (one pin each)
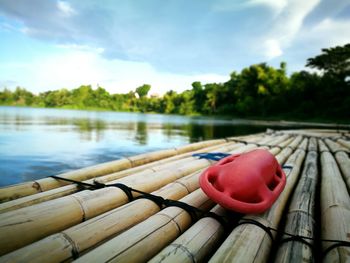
(35, 143)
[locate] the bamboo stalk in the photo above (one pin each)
(343, 160)
(73, 241)
(335, 146)
(196, 244)
(44, 219)
(335, 208)
(236, 248)
(131, 255)
(150, 236)
(199, 242)
(344, 143)
(41, 185)
(300, 218)
(70, 189)
(89, 233)
(73, 188)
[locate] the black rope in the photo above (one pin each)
(191, 210)
(81, 184)
(339, 243)
(298, 239)
(218, 218)
(158, 200)
(194, 212)
(239, 141)
(197, 213)
(293, 237)
(257, 223)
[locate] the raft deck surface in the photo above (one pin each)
(51, 220)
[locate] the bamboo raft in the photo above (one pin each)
(52, 220)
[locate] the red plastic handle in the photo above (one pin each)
(247, 183)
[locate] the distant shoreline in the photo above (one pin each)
(268, 121)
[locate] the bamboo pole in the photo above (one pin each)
(196, 244)
(41, 185)
(300, 219)
(335, 208)
(199, 242)
(344, 143)
(43, 219)
(89, 233)
(73, 188)
(143, 241)
(73, 241)
(343, 160)
(115, 251)
(236, 248)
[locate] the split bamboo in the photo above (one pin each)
(73, 188)
(143, 241)
(335, 208)
(41, 185)
(196, 244)
(235, 248)
(300, 219)
(26, 225)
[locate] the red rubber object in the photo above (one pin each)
(246, 183)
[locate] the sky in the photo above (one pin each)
(120, 45)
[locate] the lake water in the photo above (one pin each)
(35, 143)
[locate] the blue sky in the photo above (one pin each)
(120, 45)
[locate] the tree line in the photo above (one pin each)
(259, 91)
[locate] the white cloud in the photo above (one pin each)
(65, 8)
(327, 33)
(276, 5)
(272, 49)
(73, 68)
(287, 25)
(81, 48)
(228, 5)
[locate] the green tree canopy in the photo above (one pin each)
(334, 61)
(143, 90)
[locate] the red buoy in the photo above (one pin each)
(246, 183)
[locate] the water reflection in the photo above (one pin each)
(35, 143)
(141, 133)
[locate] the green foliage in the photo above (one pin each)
(143, 90)
(257, 91)
(334, 61)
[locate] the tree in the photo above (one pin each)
(143, 90)
(334, 61)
